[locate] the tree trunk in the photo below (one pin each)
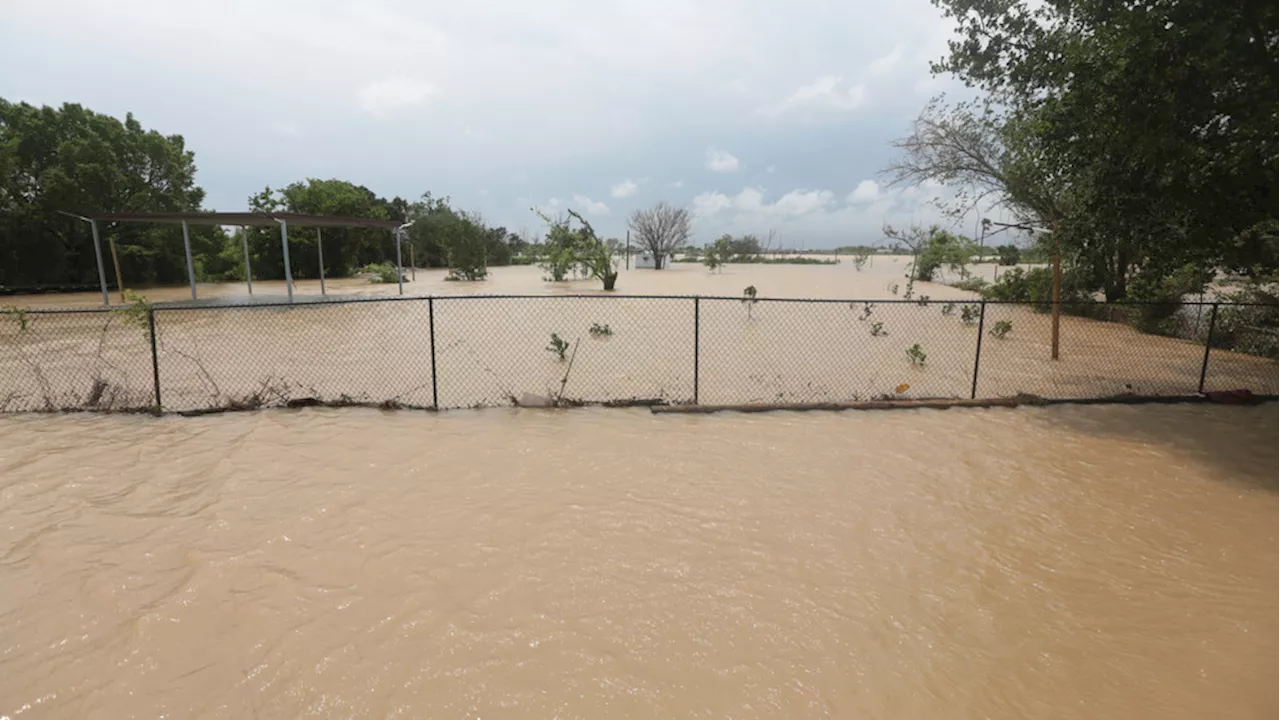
(657, 261)
(1116, 286)
(1122, 274)
(609, 280)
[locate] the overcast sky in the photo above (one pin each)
(755, 115)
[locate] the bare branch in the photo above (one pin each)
(662, 229)
(976, 150)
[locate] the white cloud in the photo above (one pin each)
(710, 203)
(589, 206)
(626, 188)
(445, 80)
(885, 64)
(816, 215)
(772, 169)
(868, 191)
(802, 202)
(750, 201)
(721, 161)
(829, 92)
(390, 95)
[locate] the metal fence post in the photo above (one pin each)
(1208, 342)
(697, 332)
(155, 357)
(977, 355)
(431, 322)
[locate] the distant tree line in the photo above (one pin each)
(71, 159)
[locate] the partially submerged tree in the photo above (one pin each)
(661, 229)
(466, 249)
(932, 248)
(579, 248)
(557, 250)
(718, 253)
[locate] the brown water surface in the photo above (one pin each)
(1088, 562)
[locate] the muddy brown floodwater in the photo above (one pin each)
(1066, 562)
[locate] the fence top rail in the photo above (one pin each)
(178, 307)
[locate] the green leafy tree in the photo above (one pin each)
(345, 249)
(1151, 125)
(578, 248)
(1008, 254)
(466, 244)
(73, 159)
(718, 253)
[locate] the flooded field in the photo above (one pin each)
(457, 351)
(1099, 562)
(820, 281)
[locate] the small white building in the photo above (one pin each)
(643, 259)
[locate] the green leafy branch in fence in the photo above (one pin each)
(1000, 330)
(916, 355)
(135, 310)
(18, 314)
(749, 298)
(558, 346)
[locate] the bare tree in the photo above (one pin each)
(661, 229)
(982, 155)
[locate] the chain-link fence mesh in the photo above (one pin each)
(620, 350)
(332, 352)
(1097, 358)
(92, 360)
(453, 352)
(788, 351)
(1243, 352)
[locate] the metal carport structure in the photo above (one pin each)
(243, 220)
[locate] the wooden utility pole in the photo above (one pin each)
(1057, 286)
(413, 266)
(628, 249)
(115, 260)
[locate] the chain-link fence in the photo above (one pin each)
(478, 351)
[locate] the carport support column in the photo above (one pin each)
(248, 271)
(191, 266)
(284, 246)
(102, 272)
(320, 249)
(399, 275)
